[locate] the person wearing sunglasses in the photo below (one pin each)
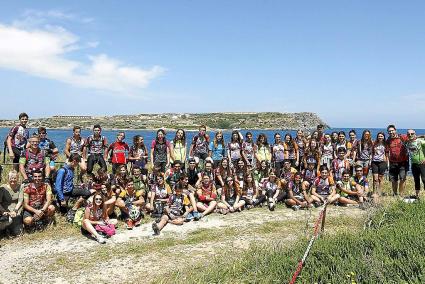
(96, 219)
(416, 148)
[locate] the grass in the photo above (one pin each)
(390, 250)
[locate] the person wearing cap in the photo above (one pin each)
(192, 172)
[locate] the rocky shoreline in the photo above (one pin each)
(187, 121)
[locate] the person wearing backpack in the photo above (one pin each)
(34, 159)
(64, 185)
(16, 140)
(117, 150)
(94, 149)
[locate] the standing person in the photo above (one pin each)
(416, 149)
(278, 150)
(343, 143)
(138, 154)
(263, 152)
(37, 201)
(75, 144)
(178, 147)
(117, 151)
(398, 159)
(334, 136)
(302, 144)
(48, 146)
(353, 137)
(234, 148)
(11, 204)
(379, 162)
(320, 133)
(340, 165)
(17, 140)
(291, 150)
(327, 150)
(160, 151)
(217, 149)
(249, 148)
(312, 153)
(362, 151)
(34, 159)
(95, 148)
(199, 146)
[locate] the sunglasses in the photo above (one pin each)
(411, 134)
(98, 199)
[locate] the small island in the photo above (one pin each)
(187, 121)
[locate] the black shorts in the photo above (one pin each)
(379, 168)
(398, 171)
(17, 152)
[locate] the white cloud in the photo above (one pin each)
(42, 52)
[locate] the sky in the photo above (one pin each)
(354, 63)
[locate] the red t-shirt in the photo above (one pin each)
(396, 149)
(119, 152)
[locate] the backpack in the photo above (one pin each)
(78, 217)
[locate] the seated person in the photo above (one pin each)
(287, 173)
(158, 196)
(64, 185)
(251, 193)
(207, 195)
(37, 201)
(348, 191)
(175, 212)
(323, 188)
(96, 219)
(340, 164)
(11, 199)
(273, 189)
(130, 202)
(230, 197)
(296, 194)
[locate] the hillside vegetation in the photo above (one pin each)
(251, 120)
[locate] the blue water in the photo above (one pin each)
(59, 136)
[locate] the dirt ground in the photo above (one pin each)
(136, 256)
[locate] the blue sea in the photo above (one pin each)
(59, 136)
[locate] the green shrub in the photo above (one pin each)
(389, 251)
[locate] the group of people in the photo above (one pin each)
(178, 181)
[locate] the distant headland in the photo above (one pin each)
(187, 121)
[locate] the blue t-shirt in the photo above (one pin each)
(218, 153)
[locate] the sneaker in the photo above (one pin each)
(155, 229)
(197, 216)
(100, 240)
(296, 207)
(129, 224)
(271, 206)
(70, 215)
(137, 223)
